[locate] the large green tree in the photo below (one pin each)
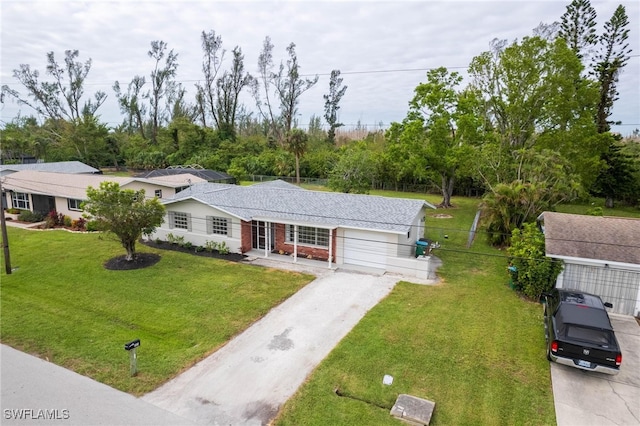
(444, 119)
(124, 212)
(355, 170)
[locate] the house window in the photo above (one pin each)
(20, 200)
(158, 193)
(308, 235)
(180, 220)
(217, 225)
(74, 204)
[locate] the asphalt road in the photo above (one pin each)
(584, 398)
(37, 392)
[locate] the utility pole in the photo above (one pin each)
(5, 240)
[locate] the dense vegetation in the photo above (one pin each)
(530, 130)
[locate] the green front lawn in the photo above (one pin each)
(469, 344)
(62, 305)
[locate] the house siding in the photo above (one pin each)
(198, 235)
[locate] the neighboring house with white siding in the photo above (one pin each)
(43, 192)
(277, 217)
(601, 255)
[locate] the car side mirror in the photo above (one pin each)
(608, 305)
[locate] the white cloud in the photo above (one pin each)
(362, 36)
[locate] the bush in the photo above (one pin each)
(223, 248)
(536, 273)
(67, 221)
(78, 224)
(14, 210)
(29, 216)
(92, 226)
(175, 239)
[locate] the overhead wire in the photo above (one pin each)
(409, 246)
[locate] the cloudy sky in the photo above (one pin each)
(383, 49)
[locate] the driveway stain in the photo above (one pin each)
(281, 342)
(262, 411)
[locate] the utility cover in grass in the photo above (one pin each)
(413, 410)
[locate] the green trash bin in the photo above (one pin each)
(421, 248)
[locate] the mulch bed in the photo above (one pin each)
(141, 260)
(233, 257)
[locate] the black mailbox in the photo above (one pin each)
(131, 345)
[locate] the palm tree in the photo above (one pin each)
(297, 145)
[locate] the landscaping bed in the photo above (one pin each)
(197, 251)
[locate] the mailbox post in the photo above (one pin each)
(131, 347)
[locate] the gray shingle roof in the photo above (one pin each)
(296, 205)
(613, 239)
(56, 167)
(208, 175)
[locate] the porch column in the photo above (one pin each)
(330, 246)
(295, 243)
(267, 238)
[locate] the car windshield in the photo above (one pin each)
(600, 337)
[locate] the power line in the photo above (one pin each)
(28, 185)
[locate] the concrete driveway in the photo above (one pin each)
(246, 381)
(585, 398)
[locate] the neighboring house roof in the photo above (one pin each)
(57, 167)
(66, 185)
(75, 186)
(208, 175)
(275, 201)
(613, 239)
(172, 181)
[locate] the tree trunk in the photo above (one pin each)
(130, 246)
(447, 190)
(608, 202)
(298, 169)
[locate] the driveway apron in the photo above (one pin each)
(586, 398)
(246, 381)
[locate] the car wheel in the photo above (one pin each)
(548, 353)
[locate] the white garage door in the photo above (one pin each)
(620, 287)
(365, 249)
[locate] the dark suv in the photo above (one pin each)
(579, 333)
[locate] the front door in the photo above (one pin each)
(43, 204)
(259, 235)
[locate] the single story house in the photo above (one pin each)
(64, 192)
(278, 217)
(601, 255)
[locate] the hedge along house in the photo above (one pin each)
(277, 217)
(601, 255)
(43, 192)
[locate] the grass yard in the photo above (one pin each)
(62, 305)
(469, 344)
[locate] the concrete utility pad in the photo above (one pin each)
(413, 410)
